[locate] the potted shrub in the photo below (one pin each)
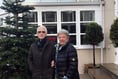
(114, 33)
(114, 36)
(94, 36)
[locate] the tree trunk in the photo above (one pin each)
(94, 55)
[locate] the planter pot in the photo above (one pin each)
(116, 55)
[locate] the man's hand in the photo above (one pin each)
(52, 63)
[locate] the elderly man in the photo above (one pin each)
(40, 58)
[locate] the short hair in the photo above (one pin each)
(41, 26)
(63, 31)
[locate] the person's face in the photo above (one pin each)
(63, 39)
(41, 33)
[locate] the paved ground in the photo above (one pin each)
(84, 76)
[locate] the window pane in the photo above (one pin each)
(52, 28)
(71, 27)
(83, 40)
(83, 27)
(33, 17)
(72, 39)
(49, 16)
(87, 15)
(68, 16)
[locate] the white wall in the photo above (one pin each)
(116, 8)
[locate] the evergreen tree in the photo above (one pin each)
(16, 38)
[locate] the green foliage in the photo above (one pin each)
(15, 7)
(94, 34)
(15, 41)
(114, 33)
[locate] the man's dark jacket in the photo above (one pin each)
(39, 59)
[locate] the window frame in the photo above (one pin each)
(77, 12)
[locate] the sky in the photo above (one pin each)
(1, 11)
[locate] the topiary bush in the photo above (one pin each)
(94, 36)
(114, 33)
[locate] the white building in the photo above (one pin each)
(73, 15)
(116, 8)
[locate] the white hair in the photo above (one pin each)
(41, 26)
(63, 31)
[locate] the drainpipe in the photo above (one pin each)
(102, 3)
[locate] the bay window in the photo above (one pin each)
(67, 19)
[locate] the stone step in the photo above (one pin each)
(111, 68)
(98, 73)
(105, 71)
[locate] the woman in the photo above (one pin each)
(66, 61)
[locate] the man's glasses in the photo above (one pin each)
(41, 32)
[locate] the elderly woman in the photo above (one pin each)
(40, 58)
(66, 61)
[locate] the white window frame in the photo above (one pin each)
(78, 45)
(62, 1)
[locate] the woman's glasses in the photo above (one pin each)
(41, 32)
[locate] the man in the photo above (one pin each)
(40, 58)
(66, 61)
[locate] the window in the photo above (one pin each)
(67, 20)
(52, 28)
(68, 23)
(75, 21)
(33, 17)
(85, 18)
(49, 19)
(67, 16)
(49, 16)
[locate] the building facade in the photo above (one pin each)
(116, 8)
(74, 15)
